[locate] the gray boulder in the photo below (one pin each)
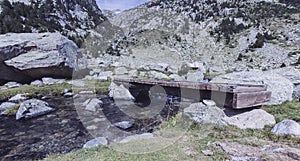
(205, 114)
(50, 81)
(287, 127)
(96, 142)
(18, 98)
(36, 83)
(281, 88)
(124, 124)
(119, 92)
(26, 57)
(254, 119)
(12, 85)
(33, 108)
(92, 104)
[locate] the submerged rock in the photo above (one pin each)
(287, 127)
(33, 108)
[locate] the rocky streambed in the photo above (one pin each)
(71, 125)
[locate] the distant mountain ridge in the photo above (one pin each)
(72, 18)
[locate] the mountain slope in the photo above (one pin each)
(73, 18)
(224, 35)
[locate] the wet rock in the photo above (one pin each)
(96, 142)
(195, 76)
(50, 81)
(32, 56)
(33, 108)
(18, 98)
(287, 127)
(12, 85)
(92, 104)
(157, 75)
(281, 88)
(6, 105)
(254, 119)
(119, 92)
(124, 124)
(204, 114)
(36, 83)
(137, 137)
(121, 71)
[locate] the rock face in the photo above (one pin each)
(30, 56)
(287, 127)
(205, 114)
(33, 108)
(255, 119)
(281, 88)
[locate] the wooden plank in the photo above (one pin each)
(246, 100)
(223, 87)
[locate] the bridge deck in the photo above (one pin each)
(237, 95)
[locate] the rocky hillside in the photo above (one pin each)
(226, 36)
(73, 18)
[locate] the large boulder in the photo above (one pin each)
(281, 88)
(254, 119)
(33, 108)
(287, 127)
(25, 57)
(205, 113)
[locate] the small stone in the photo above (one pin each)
(33, 108)
(121, 71)
(96, 142)
(36, 83)
(207, 152)
(12, 85)
(287, 127)
(92, 104)
(18, 98)
(209, 102)
(124, 124)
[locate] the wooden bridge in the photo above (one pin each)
(236, 96)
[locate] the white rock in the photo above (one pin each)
(12, 85)
(203, 114)
(92, 104)
(281, 88)
(287, 127)
(254, 119)
(124, 124)
(121, 71)
(33, 108)
(96, 142)
(36, 83)
(18, 98)
(6, 105)
(119, 92)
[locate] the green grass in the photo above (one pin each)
(287, 110)
(99, 87)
